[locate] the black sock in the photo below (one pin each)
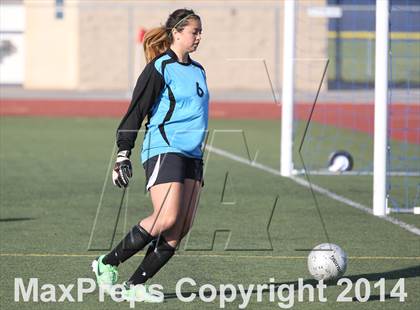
(154, 260)
(136, 239)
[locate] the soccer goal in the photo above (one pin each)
(368, 106)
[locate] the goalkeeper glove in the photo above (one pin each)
(122, 170)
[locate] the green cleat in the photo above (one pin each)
(140, 293)
(106, 275)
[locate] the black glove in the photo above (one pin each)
(122, 170)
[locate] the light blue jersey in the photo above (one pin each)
(175, 98)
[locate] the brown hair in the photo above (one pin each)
(157, 40)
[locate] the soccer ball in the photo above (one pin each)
(327, 261)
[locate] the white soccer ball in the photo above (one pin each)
(327, 261)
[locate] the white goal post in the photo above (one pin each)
(380, 149)
(286, 158)
(381, 101)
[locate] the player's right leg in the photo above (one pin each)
(105, 266)
(167, 201)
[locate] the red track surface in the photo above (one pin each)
(404, 119)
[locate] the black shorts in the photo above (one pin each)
(172, 167)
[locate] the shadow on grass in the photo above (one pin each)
(16, 219)
(409, 272)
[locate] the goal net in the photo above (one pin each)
(343, 120)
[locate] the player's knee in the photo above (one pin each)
(167, 223)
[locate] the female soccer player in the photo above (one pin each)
(172, 92)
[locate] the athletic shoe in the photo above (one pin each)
(139, 293)
(106, 275)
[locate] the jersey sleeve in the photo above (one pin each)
(148, 88)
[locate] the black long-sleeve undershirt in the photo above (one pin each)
(148, 88)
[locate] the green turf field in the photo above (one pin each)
(358, 61)
(52, 176)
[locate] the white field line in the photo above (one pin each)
(370, 173)
(228, 256)
(316, 188)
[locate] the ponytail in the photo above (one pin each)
(156, 41)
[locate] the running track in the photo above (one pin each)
(404, 121)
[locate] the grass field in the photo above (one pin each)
(53, 173)
(358, 61)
